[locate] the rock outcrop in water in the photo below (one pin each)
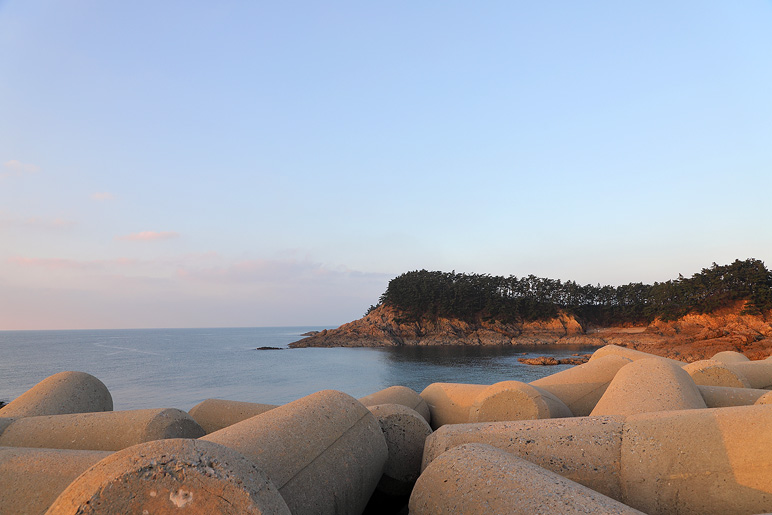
(689, 338)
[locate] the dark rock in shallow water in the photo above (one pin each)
(546, 360)
(268, 348)
(543, 360)
(573, 361)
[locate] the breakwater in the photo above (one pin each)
(626, 432)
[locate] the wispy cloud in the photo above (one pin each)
(189, 290)
(150, 236)
(71, 264)
(169, 264)
(34, 222)
(102, 196)
(15, 167)
(56, 223)
(272, 271)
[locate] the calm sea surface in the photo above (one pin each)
(160, 368)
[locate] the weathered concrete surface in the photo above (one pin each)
(5, 422)
(710, 372)
(649, 385)
(581, 387)
(172, 476)
(456, 403)
(706, 461)
(514, 400)
(757, 373)
(449, 403)
(104, 431)
(730, 356)
(764, 399)
(631, 354)
(725, 397)
(582, 449)
(215, 414)
(32, 479)
(399, 395)
(65, 392)
(480, 479)
(710, 461)
(325, 452)
(405, 431)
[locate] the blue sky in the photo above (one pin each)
(191, 164)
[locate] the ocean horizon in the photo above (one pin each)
(180, 367)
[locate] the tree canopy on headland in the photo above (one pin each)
(472, 297)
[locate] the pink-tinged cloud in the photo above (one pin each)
(208, 290)
(58, 223)
(150, 236)
(272, 271)
(34, 223)
(71, 264)
(15, 167)
(102, 196)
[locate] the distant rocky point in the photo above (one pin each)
(721, 308)
(386, 326)
(689, 338)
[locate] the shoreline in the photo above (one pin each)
(690, 338)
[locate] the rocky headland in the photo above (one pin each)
(690, 338)
(386, 326)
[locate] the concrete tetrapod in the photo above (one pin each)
(399, 395)
(581, 387)
(710, 461)
(757, 373)
(449, 403)
(631, 354)
(166, 476)
(513, 400)
(215, 414)
(103, 431)
(65, 392)
(709, 372)
(33, 478)
(480, 479)
(455, 403)
(582, 449)
(405, 431)
(649, 385)
(724, 397)
(324, 452)
(730, 356)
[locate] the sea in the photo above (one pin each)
(178, 368)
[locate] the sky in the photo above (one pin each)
(242, 164)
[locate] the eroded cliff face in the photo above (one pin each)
(384, 326)
(694, 337)
(690, 338)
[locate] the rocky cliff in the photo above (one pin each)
(384, 326)
(689, 338)
(694, 336)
